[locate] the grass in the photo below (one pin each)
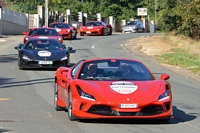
(182, 57)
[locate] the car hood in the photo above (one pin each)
(135, 90)
(63, 30)
(44, 54)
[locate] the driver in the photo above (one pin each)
(93, 70)
(123, 70)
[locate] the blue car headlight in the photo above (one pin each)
(64, 58)
(164, 96)
(84, 94)
(25, 57)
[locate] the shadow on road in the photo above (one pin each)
(8, 83)
(8, 58)
(4, 130)
(179, 116)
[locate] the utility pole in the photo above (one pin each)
(46, 13)
(156, 12)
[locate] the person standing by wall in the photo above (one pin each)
(61, 18)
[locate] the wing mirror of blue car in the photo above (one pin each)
(17, 47)
(164, 76)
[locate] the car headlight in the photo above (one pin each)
(25, 57)
(164, 96)
(26, 38)
(64, 58)
(84, 94)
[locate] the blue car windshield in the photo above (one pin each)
(114, 70)
(43, 45)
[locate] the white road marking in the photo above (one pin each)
(1, 40)
(93, 46)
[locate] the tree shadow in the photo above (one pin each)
(8, 83)
(8, 58)
(179, 116)
(4, 130)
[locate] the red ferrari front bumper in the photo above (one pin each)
(90, 32)
(84, 109)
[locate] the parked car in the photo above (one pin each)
(65, 30)
(112, 88)
(41, 33)
(133, 27)
(43, 53)
(96, 28)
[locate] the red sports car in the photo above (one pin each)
(42, 33)
(65, 30)
(112, 88)
(96, 28)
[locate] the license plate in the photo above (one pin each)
(89, 27)
(88, 32)
(128, 105)
(45, 62)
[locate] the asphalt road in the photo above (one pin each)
(26, 96)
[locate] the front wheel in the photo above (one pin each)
(102, 32)
(70, 106)
(19, 63)
(110, 33)
(57, 108)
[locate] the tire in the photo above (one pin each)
(102, 32)
(70, 106)
(57, 108)
(19, 63)
(110, 33)
(71, 37)
(75, 35)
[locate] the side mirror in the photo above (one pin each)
(19, 46)
(73, 27)
(24, 33)
(70, 48)
(164, 76)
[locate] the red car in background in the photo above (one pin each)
(65, 30)
(112, 88)
(42, 33)
(96, 28)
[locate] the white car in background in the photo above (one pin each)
(133, 27)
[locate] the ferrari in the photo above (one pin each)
(43, 53)
(65, 30)
(41, 33)
(112, 88)
(96, 28)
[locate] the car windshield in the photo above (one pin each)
(114, 70)
(43, 32)
(93, 24)
(61, 26)
(131, 23)
(43, 45)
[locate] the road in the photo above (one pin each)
(26, 96)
